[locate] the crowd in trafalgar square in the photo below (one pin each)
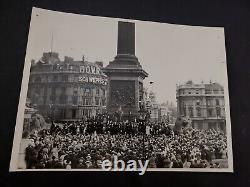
(104, 142)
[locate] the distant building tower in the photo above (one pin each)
(203, 103)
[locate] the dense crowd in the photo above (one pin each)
(84, 145)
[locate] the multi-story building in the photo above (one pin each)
(203, 103)
(67, 90)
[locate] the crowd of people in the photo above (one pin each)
(85, 144)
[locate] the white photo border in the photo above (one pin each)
(22, 101)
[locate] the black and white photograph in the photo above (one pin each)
(111, 94)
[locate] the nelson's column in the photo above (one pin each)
(125, 74)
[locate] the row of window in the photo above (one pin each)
(214, 91)
(218, 102)
(89, 91)
(210, 112)
(82, 113)
(197, 92)
(209, 125)
(86, 91)
(56, 67)
(210, 102)
(73, 113)
(75, 100)
(84, 101)
(55, 78)
(59, 67)
(190, 92)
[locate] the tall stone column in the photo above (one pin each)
(126, 38)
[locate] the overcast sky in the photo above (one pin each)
(171, 54)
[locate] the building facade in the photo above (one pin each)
(67, 90)
(203, 103)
